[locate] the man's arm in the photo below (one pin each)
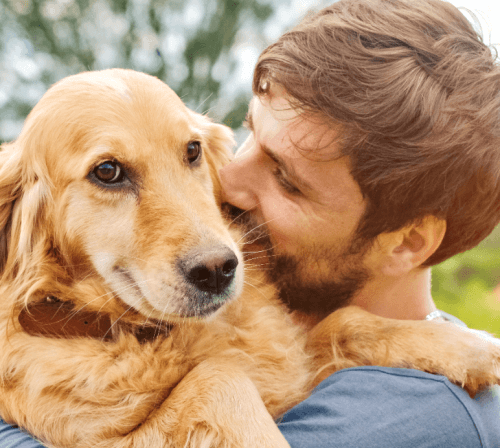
(376, 407)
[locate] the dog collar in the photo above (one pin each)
(54, 318)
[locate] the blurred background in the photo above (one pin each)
(205, 50)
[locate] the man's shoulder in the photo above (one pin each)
(379, 407)
(12, 436)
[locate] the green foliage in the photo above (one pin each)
(464, 285)
(193, 45)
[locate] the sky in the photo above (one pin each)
(488, 13)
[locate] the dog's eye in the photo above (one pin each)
(109, 172)
(193, 153)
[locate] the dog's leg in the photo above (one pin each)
(85, 394)
(215, 406)
(81, 393)
(353, 337)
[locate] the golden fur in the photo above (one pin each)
(213, 382)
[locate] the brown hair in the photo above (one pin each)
(416, 95)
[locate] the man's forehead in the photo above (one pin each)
(311, 134)
(279, 106)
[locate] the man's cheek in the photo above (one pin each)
(290, 229)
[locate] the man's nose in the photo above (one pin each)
(238, 179)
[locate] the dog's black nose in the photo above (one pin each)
(210, 269)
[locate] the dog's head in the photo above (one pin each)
(113, 175)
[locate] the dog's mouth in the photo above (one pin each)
(195, 286)
(201, 312)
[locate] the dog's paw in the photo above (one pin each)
(469, 358)
(477, 364)
(353, 337)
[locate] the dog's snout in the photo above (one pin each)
(210, 270)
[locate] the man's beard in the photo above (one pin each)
(321, 296)
(301, 287)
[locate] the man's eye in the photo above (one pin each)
(284, 183)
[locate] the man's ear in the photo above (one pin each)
(403, 250)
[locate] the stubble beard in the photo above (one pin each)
(325, 293)
(297, 277)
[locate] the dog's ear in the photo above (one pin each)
(21, 197)
(220, 140)
(10, 190)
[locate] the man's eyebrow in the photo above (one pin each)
(288, 169)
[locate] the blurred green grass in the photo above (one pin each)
(464, 285)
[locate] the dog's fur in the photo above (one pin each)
(121, 251)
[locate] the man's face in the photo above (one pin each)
(290, 180)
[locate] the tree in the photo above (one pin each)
(192, 45)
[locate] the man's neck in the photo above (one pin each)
(407, 297)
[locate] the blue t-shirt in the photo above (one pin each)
(376, 407)
(12, 437)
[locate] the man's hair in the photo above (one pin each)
(415, 95)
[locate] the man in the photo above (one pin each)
(374, 154)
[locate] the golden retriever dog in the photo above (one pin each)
(129, 317)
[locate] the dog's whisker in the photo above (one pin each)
(258, 265)
(245, 252)
(84, 278)
(76, 311)
(64, 265)
(261, 236)
(206, 111)
(149, 316)
(115, 322)
(260, 269)
(119, 291)
(255, 228)
(266, 297)
(250, 259)
(239, 216)
(157, 325)
(112, 293)
(203, 102)
(254, 263)
(126, 286)
(257, 261)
